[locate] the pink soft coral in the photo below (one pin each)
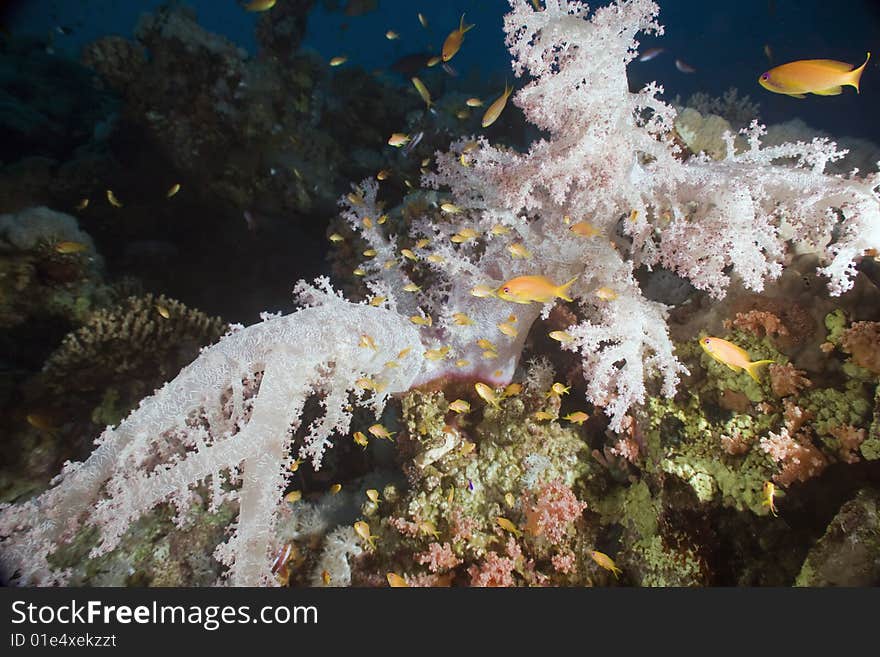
(552, 511)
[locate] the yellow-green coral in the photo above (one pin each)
(694, 452)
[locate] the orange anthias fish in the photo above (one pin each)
(526, 289)
(736, 358)
(454, 40)
(497, 107)
(823, 77)
(259, 5)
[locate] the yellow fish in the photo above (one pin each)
(461, 319)
(163, 311)
(173, 190)
(335, 488)
(259, 5)
(391, 35)
(512, 389)
(336, 237)
(419, 320)
(82, 205)
(362, 529)
(736, 358)
(398, 139)
(482, 291)
(453, 42)
(373, 495)
(383, 174)
(823, 77)
(508, 526)
(423, 91)
(434, 61)
(605, 562)
(578, 417)
(111, 198)
(460, 406)
(423, 21)
(338, 61)
(474, 102)
(497, 107)
(41, 422)
(517, 250)
(769, 494)
(487, 394)
(293, 496)
(561, 336)
(507, 329)
(584, 229)
(526, 289)
(464, 235)
(450, 208)
(67, 248)
(361, 439)
(396, 581)
(380, 431)
(483, 343)
(606, 294)
(437, 354)
(367, 341)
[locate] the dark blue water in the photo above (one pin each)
(724, 41)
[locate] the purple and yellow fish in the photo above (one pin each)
(823, 77)
(736, 358)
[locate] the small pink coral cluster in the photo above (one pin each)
(552, 511)
(798, 458)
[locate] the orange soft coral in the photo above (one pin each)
(787, 380)
(862, 341)
(758, 322)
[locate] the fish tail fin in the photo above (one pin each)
(562, 290)
(465, 28)
(752, 368)
(855, 75)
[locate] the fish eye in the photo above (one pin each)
(506, 290)
(766, 76)
(707, 341)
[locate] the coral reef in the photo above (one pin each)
(846, 555)
(48, 268)
(455, 299)
(142, 338)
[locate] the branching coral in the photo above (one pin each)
(214, 424)
(610, 165)
(140, 337)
